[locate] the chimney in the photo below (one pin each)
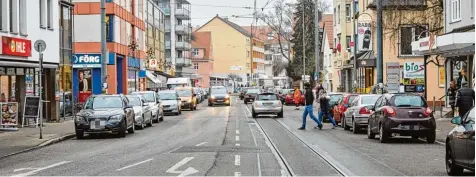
(226, 18)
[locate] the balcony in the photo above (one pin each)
(167, 28)
(182, 13)
(183, 62)
(258, 71)
(258, 49)
(167, 44)
(183, 29)
(259, 60)
(182, 45)
(166, 10)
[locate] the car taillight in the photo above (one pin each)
(288, 96)
(390, 111)
(428, 111)
(364, 110)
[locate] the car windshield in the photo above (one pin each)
(134, 100)
(351, 98)
(335, 98)
(254, 91)
(184, 92)
(267, 97)
(197, 91)
(218, 91)
(369, 99)
(409, 101)
(102, 102)
(149, 97)
(167, 96)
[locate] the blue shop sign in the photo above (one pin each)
(133, 63)
(86, 60)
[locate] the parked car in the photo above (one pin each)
(401, 114)
(66, 103)
(218, 95)
(243, 92)
(342, 105)
(283, 94)
(154, 103)
(334, 99)
(251, 94)
(188, 97)
(142, 111)
(460, 145)
(267, 103)
(170, 101)
(105, 114)
(357, 115)
(289, 99)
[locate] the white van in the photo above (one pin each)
(178, 82)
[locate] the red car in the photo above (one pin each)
(289, 98)
(342, 106)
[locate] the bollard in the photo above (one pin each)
(434, 99)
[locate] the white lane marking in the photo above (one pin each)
(237, 174)
(256, 144)
(237, 132)
(39, 169)
(202, 143)
(237, 138)
(237, 160)
(259, 164)
(237, 144)
(138, 163)
(188, 171)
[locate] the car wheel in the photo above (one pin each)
(383, 135)
(79, 134)
(370, 135)
(253, 114)
(131, 130)
(415, 137)
(355, 128)
(142, 123)
(150, 121)
(451, 168)
(161, 117)
(281, 114)
(122, 131)
(210, 104)
(431, 137)
(346, 127)
(245, 102)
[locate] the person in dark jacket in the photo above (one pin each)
(309, 100)
(324, 109)
(451, 93)
(464, 99)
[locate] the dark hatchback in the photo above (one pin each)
(251, 94)
(218, 96)
(460, 145)
(401, 115)
(105, 114)
(243, 92)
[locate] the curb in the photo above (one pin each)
(46, 143)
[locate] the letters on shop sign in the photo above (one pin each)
(89, 59)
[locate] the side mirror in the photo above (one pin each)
(456, 120)
(146, 104)
(128, 107)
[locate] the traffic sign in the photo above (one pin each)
(40, 45)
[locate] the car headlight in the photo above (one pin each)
(115, 117)
(79, 119)
(189, 101)
(213, 97)
(173, 105)
(256, 104)
(227, 96)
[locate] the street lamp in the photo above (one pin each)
(133, 47)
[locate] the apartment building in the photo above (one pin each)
(330, 78)
(202, 58)
(155, 47)
(178, 31)
(342, 42)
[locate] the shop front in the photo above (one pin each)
(365, 74)
(133, 80)
(86, 75)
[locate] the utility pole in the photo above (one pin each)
(354, 33)
(103, 47)
(303, 46)
(379, 43)
(251, 43)
(316, 42)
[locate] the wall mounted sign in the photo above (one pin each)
(133, 62)
(81, 60)
(16, 46)
(364, 36)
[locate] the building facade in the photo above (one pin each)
(178, 32)
(342, 40)
(156, 64)
(232, 51)
(327, 49)
(125, 35)
(202, 58)
(19, 62)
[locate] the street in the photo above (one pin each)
(226, 141)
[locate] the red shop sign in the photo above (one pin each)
(16, 46)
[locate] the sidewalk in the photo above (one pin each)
(28, 138)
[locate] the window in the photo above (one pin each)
(347, 42)
(338, 14)
(408, 34)
(23, 22)
(472, 9)
(247, 53)
(195, 52)
(195, 66)
(42, 13)
(335, 17)
(248, 65)
(455, 10)
(49, 15)
(347, 12)
(13, 11)
(109, 28)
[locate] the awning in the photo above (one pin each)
(366, 55)
(152, 77)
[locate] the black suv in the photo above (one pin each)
(105, 114)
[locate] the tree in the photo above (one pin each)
(233, 77)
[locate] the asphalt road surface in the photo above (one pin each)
(226, 141)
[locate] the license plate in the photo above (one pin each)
(219, 100)
(97, 124)
(406, 127)
(415, 127)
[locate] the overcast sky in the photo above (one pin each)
(204, 10)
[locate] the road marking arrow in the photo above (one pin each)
(186, 172)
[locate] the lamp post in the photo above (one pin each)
(133, 47)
